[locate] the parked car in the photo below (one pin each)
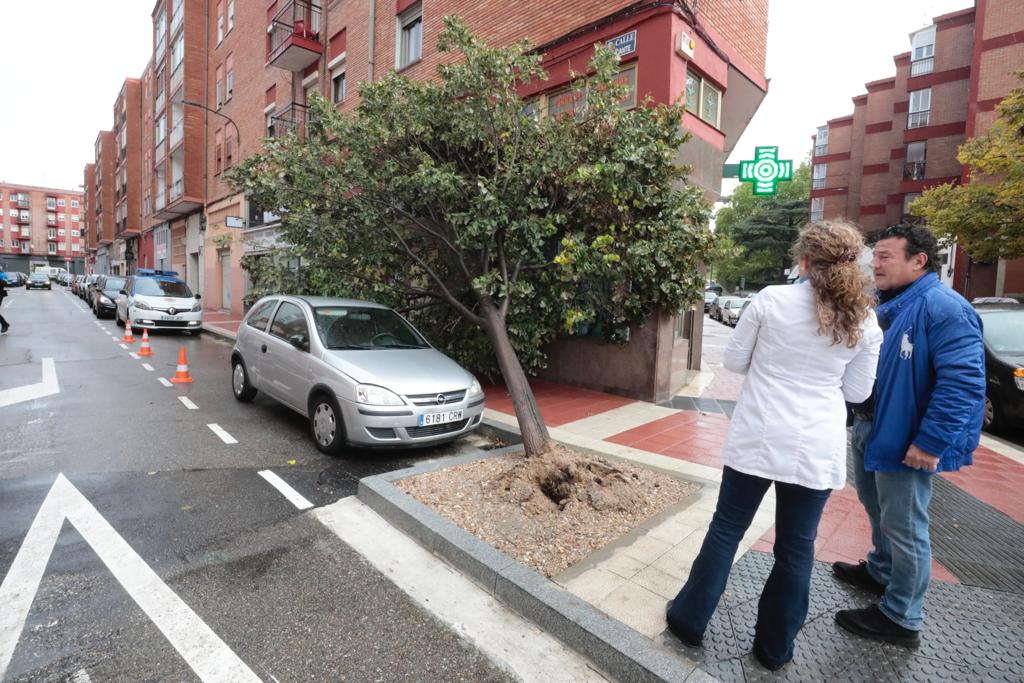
(357, 370)
(12, 278)
(709, 298)
(38, 281)
(104, 294)
(733, 309)
(715, 310)
(85, 289)
(76, 282)
(1003, 325)
(158, 299)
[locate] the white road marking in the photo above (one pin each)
(164, 381)
(80, 676)
(124, 346)
(296, 498)
(31, 392)
(224, 436)
(199, 646)
(187, 403)
(148, 367)
(134, 355)
(506, 638)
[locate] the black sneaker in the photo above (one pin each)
(871, 623)
(857, 575)
(680, 634)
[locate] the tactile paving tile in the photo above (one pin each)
(970, 634)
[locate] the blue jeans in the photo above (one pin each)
(784, 599)
(897, 506)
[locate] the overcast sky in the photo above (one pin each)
(63, 63)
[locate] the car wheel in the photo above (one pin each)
(244, 392)
(325, 424)
(992, 420)
(117, 318)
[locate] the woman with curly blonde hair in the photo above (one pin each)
(806, 349)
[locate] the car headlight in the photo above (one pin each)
(197, 307)
(475, 389)
(104, 300)
(142, 306)
(373, 395)
(1018, 378)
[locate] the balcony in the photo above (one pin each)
(51, 222)
(158, 106)
(913, 170)
(161, 47)
(922, 66)
(23, 218)
(179, 14)
(177, 133)
(918, 119)
(160, 202)
(820, 150)
(291, 119)
(23, 203)
(178, 77)
(177, 188)
(294, 36)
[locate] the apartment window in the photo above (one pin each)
(821, 141)
(703, 99)
(61, 216)
(410, 36)
(909, 199)
(76, 247)
(178, 52)
(51, 247)
(161, 128)
(818, 178)
(227, 151)
(220, 85)
(13, 213)
(220, 21)
(913, 169)
(76, 233)
(61, 232)
(338, 87)
(16, 244)
(920, 106)
(218, 143)
(74, 203)
(74, 217)
(25, 215)
(231, 15)
(60, 202)
(229, 77)
(51, 203)
(817, 208)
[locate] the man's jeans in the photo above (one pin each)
(897, 505)
(783, 606)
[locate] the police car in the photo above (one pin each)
(158, 300)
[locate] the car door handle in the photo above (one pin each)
(263, 348)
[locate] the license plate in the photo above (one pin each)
(440, 418)
(169, 317)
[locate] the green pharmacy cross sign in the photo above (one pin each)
(766, 170)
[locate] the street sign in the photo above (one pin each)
(234, 222)
(624, 44)
(766, 171)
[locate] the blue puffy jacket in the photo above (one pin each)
(930, 389)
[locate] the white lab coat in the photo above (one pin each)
(790, 422)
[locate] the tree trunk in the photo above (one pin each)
(531, 423)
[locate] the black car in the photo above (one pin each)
(38, 280)
(104, 293)
(1004, 364)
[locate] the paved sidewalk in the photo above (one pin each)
(977, 530)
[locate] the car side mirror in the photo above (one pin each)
(299, 341)
(123, 292)
(198, 297)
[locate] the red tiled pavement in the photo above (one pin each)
(223, 320)
(995, 480)
(558, 403)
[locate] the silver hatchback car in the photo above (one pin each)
(358, 370)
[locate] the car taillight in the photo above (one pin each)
(1018, 378)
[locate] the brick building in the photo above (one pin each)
(903, 134)
(224, 74)
(41, 226)
(100, 222)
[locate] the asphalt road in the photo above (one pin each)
(258, 584)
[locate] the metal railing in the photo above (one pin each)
(23, 203)
(922, 66)
(177, 132)
(918, 119)
(913, 170)
(159, 106)
(820, 150)
(177, 188)
(291, 119)
(161, 47)
(178, 77)
(160, 201)
(296, 18)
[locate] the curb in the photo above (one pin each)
(616, 648)
(217, 332)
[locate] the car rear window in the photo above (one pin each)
(114, 283)
(259, 316)
(1004, 331)
(151, 286)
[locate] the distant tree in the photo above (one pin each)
(450, 195)
(986, 216)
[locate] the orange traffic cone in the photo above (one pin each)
(128, 338)
(182, 376)
(146, 349)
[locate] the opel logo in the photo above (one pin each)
(441, 399)
(171, 311)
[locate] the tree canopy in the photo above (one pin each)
(451, 198)
(986, 216)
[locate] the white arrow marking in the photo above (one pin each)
(199, 646)
(30, 392)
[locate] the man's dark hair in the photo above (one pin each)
(920, 240)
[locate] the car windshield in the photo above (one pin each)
(710, 296)
(1004, 331)
(357, 327)
(150, 286)
(114, 283)
(734, 303)
(39, 276)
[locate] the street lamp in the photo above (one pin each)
(238, 136)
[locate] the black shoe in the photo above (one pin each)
(764, 662)
(678, 633)
(871, 623)
(857, 575)
(4, 329)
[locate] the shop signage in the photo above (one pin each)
(234, 222)
(624, 44)
(766, 170)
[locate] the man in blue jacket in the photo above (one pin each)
(928, 405)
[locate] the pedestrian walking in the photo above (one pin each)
(805, 349)
(4, 325)
(926, 417)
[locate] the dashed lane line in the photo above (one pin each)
(134, 355)
(147, 367)
(187, 403)
(224, 436)
(296, 498)
(164, 381)
(124, 346)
